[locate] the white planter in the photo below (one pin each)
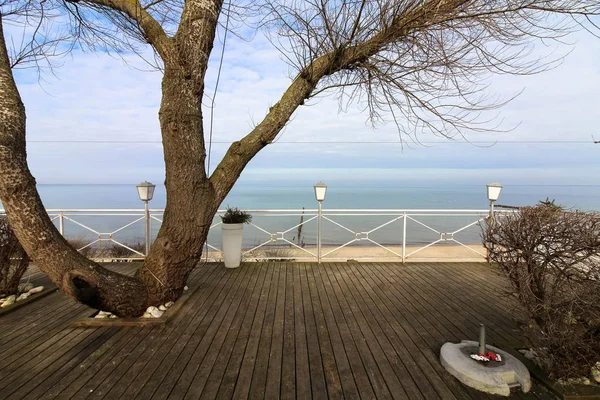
(232, 244)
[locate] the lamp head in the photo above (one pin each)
(145, 190)
(493, 191)
(320, 190)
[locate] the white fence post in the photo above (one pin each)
(404, 239)
(147, 213)
(319, 233)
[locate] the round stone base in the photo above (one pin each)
(491, 377)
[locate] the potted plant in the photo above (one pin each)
(233, 224)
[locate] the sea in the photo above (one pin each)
(337, 230)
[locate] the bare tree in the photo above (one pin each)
(420, 62)
(551, 259)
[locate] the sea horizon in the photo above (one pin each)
(253, 195)
(342, 195)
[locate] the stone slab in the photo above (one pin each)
(490, 378)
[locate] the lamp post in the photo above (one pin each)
(320, 190)
(493, 192)
(146, 192)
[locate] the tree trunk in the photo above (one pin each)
(191, 198)
(191, 202)
(82, 279)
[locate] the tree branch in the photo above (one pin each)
(241, 152)
(152, 30)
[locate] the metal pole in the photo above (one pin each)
(404, 240)
(319, 233)
(482, 349)
(491, 210)
(61, 224)
(147, 228)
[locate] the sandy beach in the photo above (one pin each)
(437, 252)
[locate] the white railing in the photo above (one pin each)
(360, 234)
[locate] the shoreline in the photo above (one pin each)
(442, 252)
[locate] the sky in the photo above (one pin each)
(96, 96)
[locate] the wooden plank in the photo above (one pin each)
(448, 302)
(452, 323)
(434, 324)
(352, 330)
(230, 375)
(273, 383)
(36, 314)
(330, 370)
(427, 304)
(42, 358)
(493, 305)
(337, 323)
(409, 318)
(92, 364)
(288, 366)
(485, 281)
(48, 362)
(151, 377)
(96, 384)
(481, 283)
(397, 327)
(259, 377)
(22, 321)
(341, 362)
(371, 366)
(428, 298)
(244, 303)
(315, 359)
(303, 389)
(244, 380)
(395, 374)
(211, 332)
(227, 336)
(212, 382)
(140, 356)
(27, 301)
(40, 336)
(95, 373)
(408, 372)
(71, 360)
(483, 271)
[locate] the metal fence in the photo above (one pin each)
(302, 235)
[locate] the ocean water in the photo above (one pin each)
(343, 196)
(346, 196)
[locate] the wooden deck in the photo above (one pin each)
(269, 330)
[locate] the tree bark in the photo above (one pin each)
(191, 202)
(191, 198)
(82, 279)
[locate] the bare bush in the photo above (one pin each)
(13, 259)
(274, 254)
(118, 251)
(110, 251)
(79, 244)
(551, 259)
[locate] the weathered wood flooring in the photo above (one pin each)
(269, 330)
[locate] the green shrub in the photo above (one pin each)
(236, 216)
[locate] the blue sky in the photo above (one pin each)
(98, 97)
